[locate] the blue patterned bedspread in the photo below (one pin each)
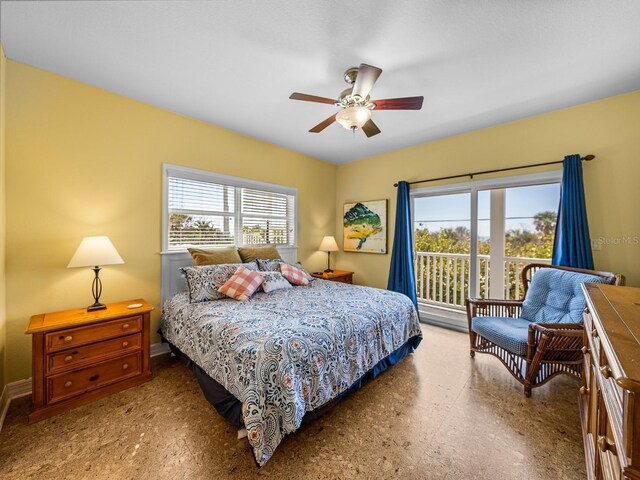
(289, 351)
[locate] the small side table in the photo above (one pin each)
(342, 276)
(80, 356)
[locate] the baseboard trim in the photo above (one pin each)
(12, 391)
(159, 349)
(4, 405)
(22, 388)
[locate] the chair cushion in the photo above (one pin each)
(509, 333)
(555, 296)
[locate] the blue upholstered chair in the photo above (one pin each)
(541, 335)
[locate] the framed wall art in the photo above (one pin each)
(365, 227)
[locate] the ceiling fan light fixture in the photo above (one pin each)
(353, 117)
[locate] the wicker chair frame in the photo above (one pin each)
(553, 348)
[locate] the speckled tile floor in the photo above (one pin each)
(436, 415)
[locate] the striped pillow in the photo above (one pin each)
(242, 284)
(294, 275)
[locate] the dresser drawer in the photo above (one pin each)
(75, 357)
(72, 337)
(593, 343)
(608, 453)
(66, 385)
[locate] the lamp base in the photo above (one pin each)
(328, 270)
(96, 306)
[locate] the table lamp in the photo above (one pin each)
(328, 245)
(93, 252)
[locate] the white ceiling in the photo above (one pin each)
(235, 63)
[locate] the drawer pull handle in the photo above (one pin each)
(125, 366)
(68, 338)
(584, 350)
(125, 326)
(606, 372)
(583, 390)
(594, 333)
(68, 358)
(68, 384)
(125, 344)
(604, 445)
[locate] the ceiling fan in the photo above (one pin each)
(355, 104)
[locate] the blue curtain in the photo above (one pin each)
(401, 275)
(572, 247)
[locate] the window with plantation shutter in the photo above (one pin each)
(208, 210)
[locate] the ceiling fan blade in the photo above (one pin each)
(370, 129)
(311, 98)
(406, 103)
(324, 124)
(367, 76)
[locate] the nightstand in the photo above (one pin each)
(80, 356)
(342, 276)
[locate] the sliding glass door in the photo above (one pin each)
(442, 239)
(473, 239)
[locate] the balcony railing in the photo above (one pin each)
(443, 278)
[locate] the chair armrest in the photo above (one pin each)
(552, 331)
(558, 328)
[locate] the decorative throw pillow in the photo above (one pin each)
(294, 275)
(299, 266)
(203, 282)
(274, 266)
(269, 252)
(242, 284)
(215, 256)
(269, 265)
(273, 281)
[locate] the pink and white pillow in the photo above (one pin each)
(242, 284)
(294, 275)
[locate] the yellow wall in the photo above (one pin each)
(609, 128)
(2, 219)
(82, 161)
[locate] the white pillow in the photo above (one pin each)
(273, 281)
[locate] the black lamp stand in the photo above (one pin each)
(328, 270)
(96, 290)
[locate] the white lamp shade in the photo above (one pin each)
(328, 244)
(95, 251)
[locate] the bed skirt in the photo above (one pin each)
(230, 407)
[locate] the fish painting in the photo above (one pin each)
(363, 223)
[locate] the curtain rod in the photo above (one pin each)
(586, 158)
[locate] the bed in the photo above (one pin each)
(284, 355)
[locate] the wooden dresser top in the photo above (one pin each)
(617, 310)
(46, 322)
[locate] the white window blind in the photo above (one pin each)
(208, 210)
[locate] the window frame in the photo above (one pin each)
(473, 187)
(178, 171)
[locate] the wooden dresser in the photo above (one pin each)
(342, 276)
(80, 356)
(610, 392)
